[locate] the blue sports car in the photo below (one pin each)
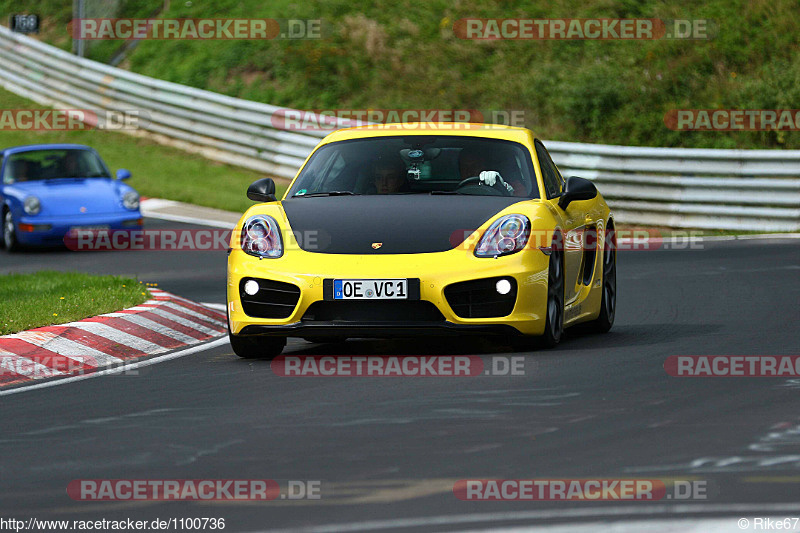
(52, 191)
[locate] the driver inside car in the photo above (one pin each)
(389, 177)
(471, 164)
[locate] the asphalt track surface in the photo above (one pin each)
(388, 450)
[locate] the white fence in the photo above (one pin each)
(755, 190)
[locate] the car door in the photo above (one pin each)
(573, 223)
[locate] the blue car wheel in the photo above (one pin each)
(9, 232)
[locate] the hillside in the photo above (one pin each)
(394, 55)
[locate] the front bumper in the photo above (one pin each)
(58, 227)
(435, 271)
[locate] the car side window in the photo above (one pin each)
(552, 177)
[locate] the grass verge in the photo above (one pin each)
(47, 297)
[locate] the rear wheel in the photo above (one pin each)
(9, 232)
(255, 347)
(608, 305)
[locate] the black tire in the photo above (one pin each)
(9, 233)
(257, 347)
(608, 306)
(554, 325)
(254, 347)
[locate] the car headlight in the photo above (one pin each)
(32, 205)
(505, 236)
(261, 237)
(130, 200)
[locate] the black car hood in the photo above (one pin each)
(401, 224)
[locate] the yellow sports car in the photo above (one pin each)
(397, 231)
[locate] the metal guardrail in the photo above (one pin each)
(750, 190)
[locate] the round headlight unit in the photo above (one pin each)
(32, 205)
(512, 227)
(261, 237)
(258, 230)
(130, 200)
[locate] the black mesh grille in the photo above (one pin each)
(479, 298)
(387, 311)
(274, 299)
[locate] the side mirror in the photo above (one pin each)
(123, 174)
(576, 189)
(262, 190)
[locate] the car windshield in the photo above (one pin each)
(418, 165)
(53, 164)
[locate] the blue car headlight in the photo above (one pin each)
(130, 200)
(261, 237)
(506, 235)
(32, 205)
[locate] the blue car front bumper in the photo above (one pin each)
(51, 231)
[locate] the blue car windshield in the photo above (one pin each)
(53, 164)
(418, 164)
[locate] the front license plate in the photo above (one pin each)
(75, 230)
(370, 289)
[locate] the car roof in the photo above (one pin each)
(490, 131)
(34, 147)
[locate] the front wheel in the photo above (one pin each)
(554, 326)
(608, 305)
(9, 233)
(257, 347)
(254, 347)
(554, 323)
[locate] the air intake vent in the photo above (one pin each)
(480, 298)
(273, 299)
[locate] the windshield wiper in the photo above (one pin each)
(445, 192)
(329, 193)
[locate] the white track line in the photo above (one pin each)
(216, 307)
(116, 370)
